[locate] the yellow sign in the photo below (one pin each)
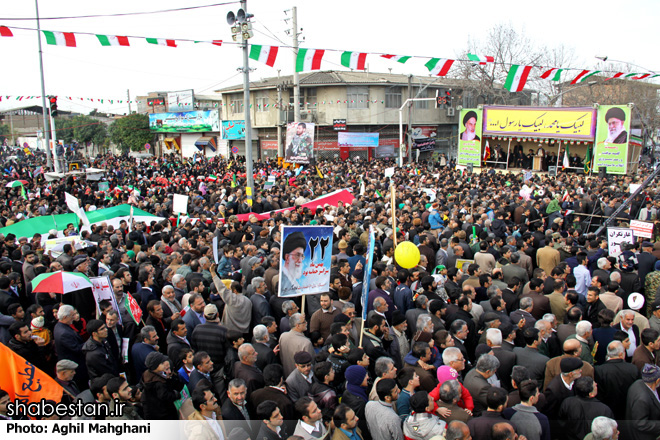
(569, 123)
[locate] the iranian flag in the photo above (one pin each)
(5, 32)
(554, 74)
(161, 42)
(133, 308)
(398, 58)
(616, 75)
(265, 54)
(353, 60)
(480, 59)
(439, 66)
(517, 77)
(566, 162)
(584, 75)
(309, 59)
(112, 40)
(642, 76)
(67, 39)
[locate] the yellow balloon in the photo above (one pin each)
(406, 255)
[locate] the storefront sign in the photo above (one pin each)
(155, 101)
(268, 145)
(565, 123)
(185, 122)
(611, 146)
(339, 124)
(351, 139)
(424, 144)
(469, 139)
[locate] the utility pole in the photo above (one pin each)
(296, 77)
(128, 94)
(49, 163)
(280, 145)
(246, 101)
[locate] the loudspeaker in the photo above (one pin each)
(552, 171)
(602, 172)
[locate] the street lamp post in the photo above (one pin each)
(46, 135)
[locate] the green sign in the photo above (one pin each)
(612, 136)
(469, 137)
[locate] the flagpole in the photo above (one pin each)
(46, 133)
(559, 153)
(392, 196)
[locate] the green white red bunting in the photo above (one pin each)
(439, 66)
(517, 77)
(398, 58)
(554, 72)
(161, 42)
(354, 60)
(112, 40)
(309, 59)
(584, 75)
(265, 54)
(483, 60)
(67, 39)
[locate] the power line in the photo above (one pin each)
(122, 14)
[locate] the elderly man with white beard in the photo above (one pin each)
(293, 253)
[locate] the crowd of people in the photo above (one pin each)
(515, 321)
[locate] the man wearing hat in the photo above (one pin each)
(561, 387)
(616, 130)
(470, 123)
(65, 370)
(161, 388)
(293, 255)
(643, 407)
(654, 320)
(301, 379)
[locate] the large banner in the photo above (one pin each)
(233, 130)
(616, 236)
(611, 148)
(306, 259)
(367, 272)
(180, 101)
(352, 139)
(571, 123)
(469, 139)
(185, 122)
(299, 142)
(102, 289)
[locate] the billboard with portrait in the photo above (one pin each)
(611, 146)
(306, 260)
(299, 142)
(469, 138)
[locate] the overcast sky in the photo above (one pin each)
(622, 31)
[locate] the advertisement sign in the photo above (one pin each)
(299, 142)
(642, 229)
(306, 260)
(155, 101)
(233, 130)
(424, 131)
(339, 124)
(616, 236)
(352, 139)
(367, 271)
(180, 101)
(185, 122)
(569, 123)
(611, 145)
(386, 148)
(469, 139)
(424, 144)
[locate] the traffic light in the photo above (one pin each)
(448, 97)
(53, 105)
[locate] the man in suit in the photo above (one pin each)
(614, 379)
(645, 262)
(557, 301)
(647, 352)
(572, 348)
(261, 343)
(202, 373)
(6, 298)
(514, 270)
(541, 304)
(275, 390)
(235, 410)
(300, 380)
(529, 357)
(476, 381)
(627, 325)
(68, 343)
(260, 305)
(507, 358)
(195, 315)
(643, 407)
(450, 394)
(524, 312)
(560, 388)
(245, 369)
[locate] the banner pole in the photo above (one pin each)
(361, 333)
(392, 194)
(302, 306)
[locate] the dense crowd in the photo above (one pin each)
(515, 321)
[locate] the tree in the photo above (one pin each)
(90, 130)
(131, 132)
(64, 130)
(5, 132)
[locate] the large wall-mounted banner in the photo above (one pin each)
(299, 142)
(352, 139)
(180, 101)
(185, 122)
(611, 148)
(564, 123)
(233, 130)
(469, 139)
(306, 260)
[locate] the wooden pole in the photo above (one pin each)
(361, 332)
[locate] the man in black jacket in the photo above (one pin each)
(576, 413)
(643, 408)
(615, 378)
(98, 354)
(376, 341)
(22, 344)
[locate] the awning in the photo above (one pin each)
(171, 142)
(206, 141)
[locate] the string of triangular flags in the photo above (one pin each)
(311, 59)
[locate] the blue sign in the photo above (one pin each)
(351, 139)
(306, 259)
(367, 272)
(233, 130)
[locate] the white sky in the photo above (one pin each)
(431, 28)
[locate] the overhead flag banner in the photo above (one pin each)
(112, 40)
(306, 260)
(5, 32)
(354, 60)
(398, 58)
(299, 142)
(264, 54)
(577, 123)
(469, 139)
(517, 77)
(161, 42)
(309, 59)
(554, 72)
(584, 75)
(611, 146)
(482, 60)
(67, 39)
(439, 66)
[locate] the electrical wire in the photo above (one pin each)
(121, 14)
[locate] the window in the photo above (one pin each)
(421, 105)
(358, 97)
(236, 105)
(393, 97)
(310, 97)
(262, 102)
